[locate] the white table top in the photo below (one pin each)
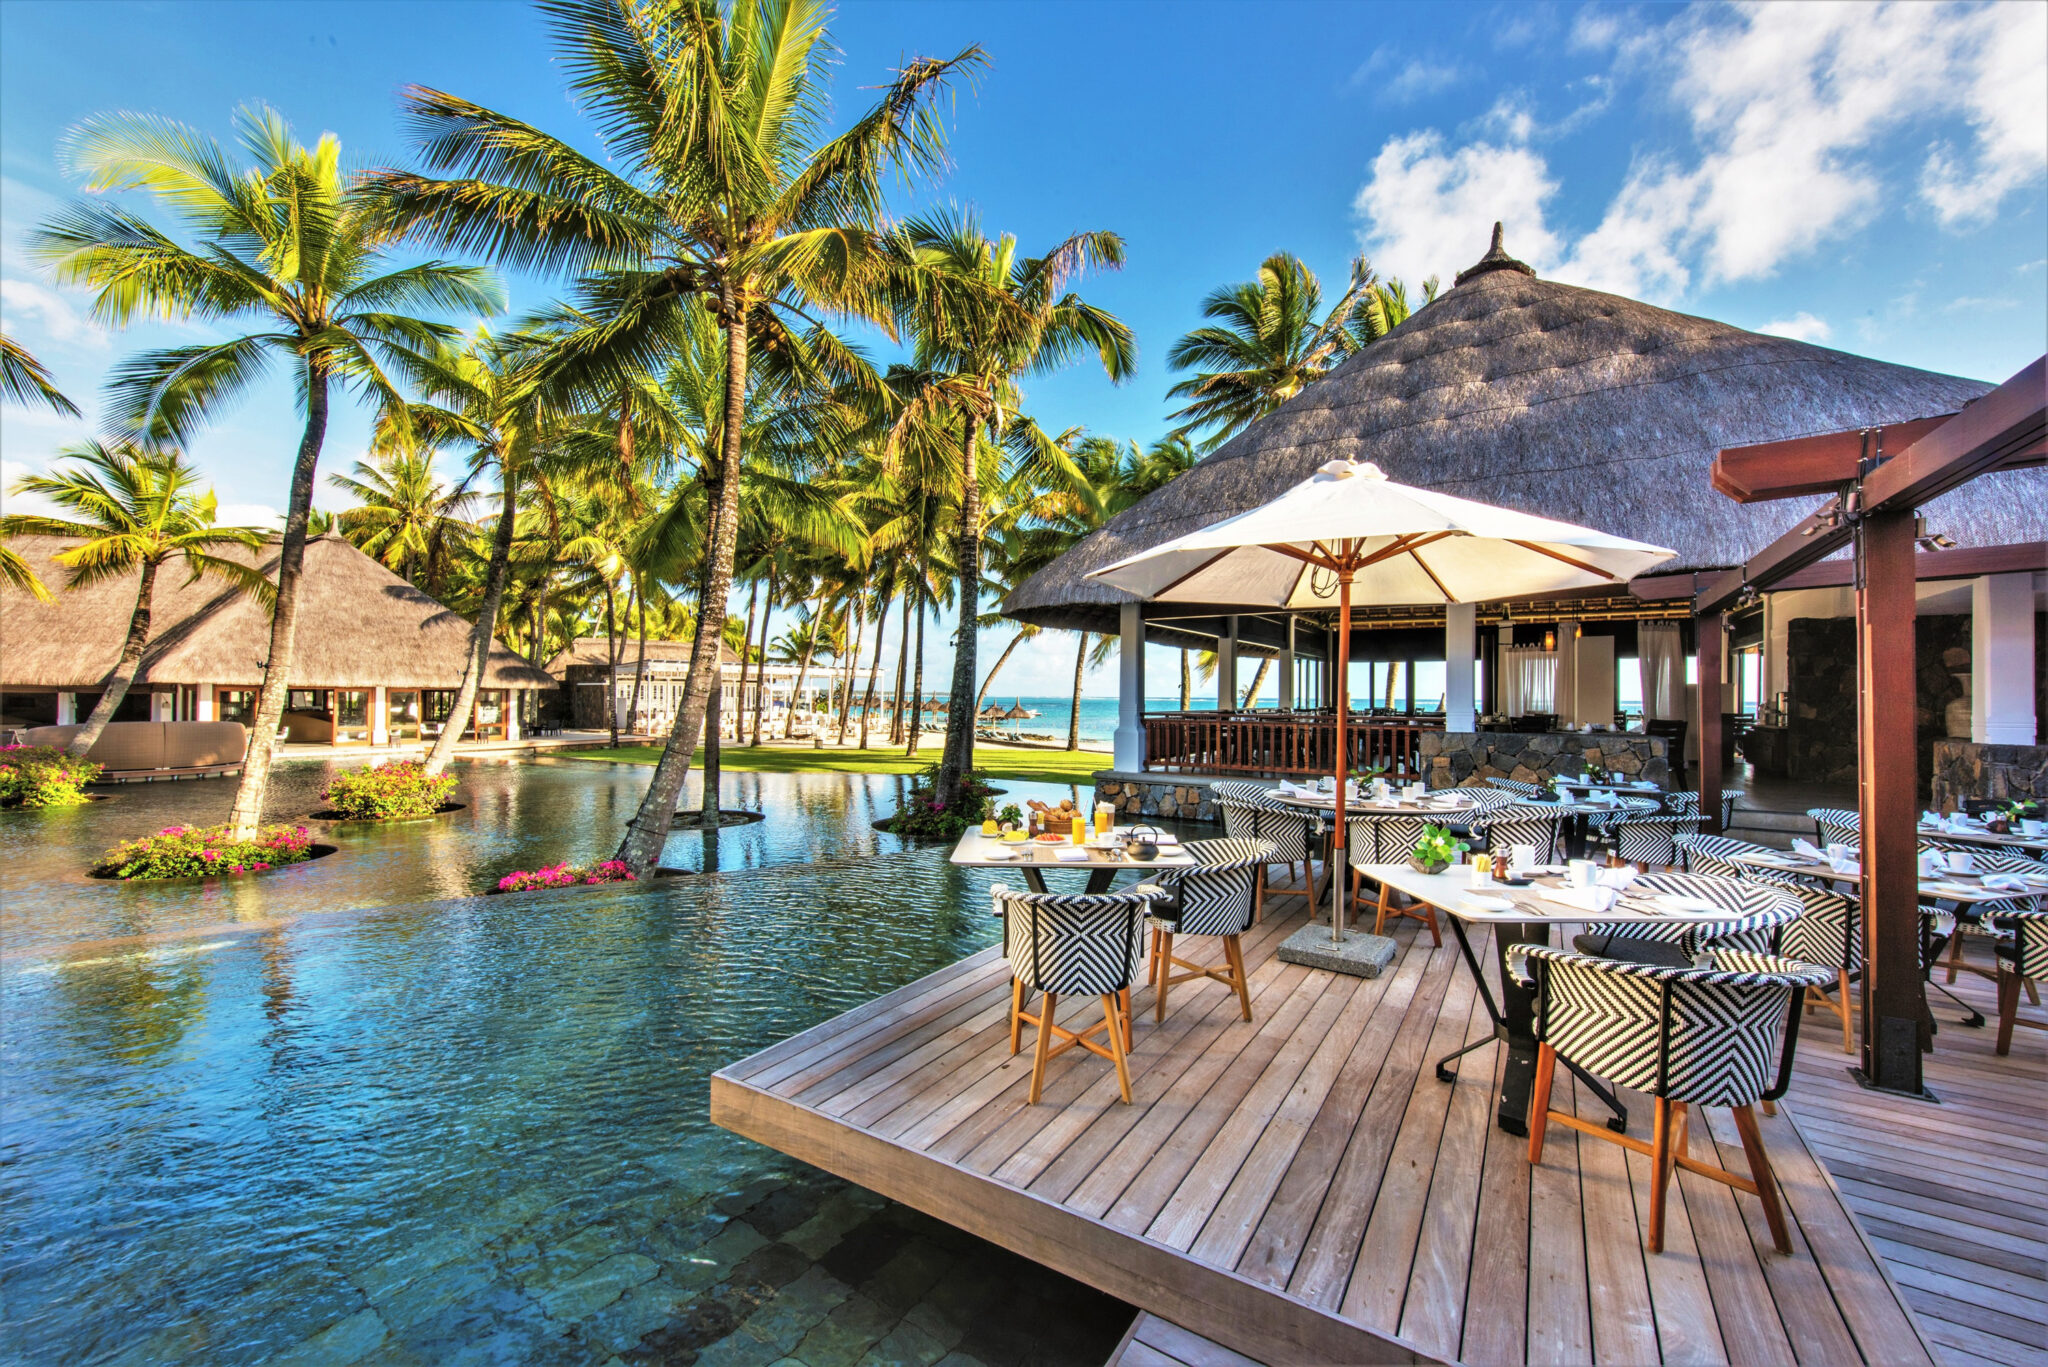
(1947, 887)
(1610, 784)
(1452, 892)
(976, 850)
(1360, 806)
(2037, 843)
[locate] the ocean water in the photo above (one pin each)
(1098, 715)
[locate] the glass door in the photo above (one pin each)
(351, 716)
(402, 714)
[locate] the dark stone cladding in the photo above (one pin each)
(2006, 772)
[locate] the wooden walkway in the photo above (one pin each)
(1302, 1189)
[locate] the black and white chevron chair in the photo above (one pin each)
(1651, 842)
(1524, 824)
(1065, 945)
(1836, 826)
(1604, 826)
(1756, 914)
(1728, 798)
(1716, 1036)
(2023, 961)
(1239, 790)
(1213, 898)
(1715, 854)
(1515, 786)
(1390, 840)
(1682, 802)
(1827, 933)
(1285, 828)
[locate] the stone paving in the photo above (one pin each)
(794, 1268)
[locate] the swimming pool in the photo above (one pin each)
(352, 1112)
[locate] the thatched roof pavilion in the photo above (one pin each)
(1561, 401)
(359, 625)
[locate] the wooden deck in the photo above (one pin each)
(1302, 1189)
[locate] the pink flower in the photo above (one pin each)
(209, 854)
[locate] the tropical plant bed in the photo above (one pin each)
(563, 875)
(197, 854)
(693, 820)
(334, 817)
(397, 790)
(924, 817)
(44, 776)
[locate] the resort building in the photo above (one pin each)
(377, 661)
(1605, 412)
(584, 672)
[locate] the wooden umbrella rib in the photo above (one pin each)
(1402, 545)
(1169, 588)
(1414, 554)
(1554, 555)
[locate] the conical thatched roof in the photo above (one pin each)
(1560, 401)
(594, 650)
(360, 625)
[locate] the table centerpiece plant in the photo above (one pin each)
(1437, 850)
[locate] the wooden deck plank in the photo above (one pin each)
(1301, 1188)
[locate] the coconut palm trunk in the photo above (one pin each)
(1074, 713)
(902, 675)
(803, 667)
(124, 672)
(1251, 695)
(1187, 682)
(852, 679)
(481, 633)
(708, 815)
(916, 728)
(641, 847)
(247, 813)
(761, 674)
(640, 665)
(957, 759)
(739, 719)
(867, 706)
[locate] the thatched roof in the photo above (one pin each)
(1560, 401)
(594, 651)
(359, 625)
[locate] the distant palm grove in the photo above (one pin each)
(683, 428)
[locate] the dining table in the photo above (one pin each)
(1976, 835)
(1444, 804)
(1101, 859)
(1522, 915)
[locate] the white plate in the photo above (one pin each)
(1492, 903)
(1676, 902)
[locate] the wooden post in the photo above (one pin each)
(1894, 1000)
(1340, 864)
(1711, 644)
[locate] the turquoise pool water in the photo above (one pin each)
(352, 1112)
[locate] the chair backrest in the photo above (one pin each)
(1513, 785)
(1651, 839)
(1682, 801)
(1672, 730)
(1487, 799)
(1238, 790)
(1828, 930)
(1715, 854)
(1837, 826)
(1507, 827)
(1728, 796)
(1216, 896)
(2031, 932)
(1756, 911)
(1381, 839)
(1284, 828)
(1719, 1036)
(1073, 943)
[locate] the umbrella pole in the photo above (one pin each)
(1341, 865)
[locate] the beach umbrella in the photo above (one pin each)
(1017, 712)
(1348, 532)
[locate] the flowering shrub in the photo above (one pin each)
(924, 817)
(205, 852)
(43, 776)
(388, 792)
(563, 876)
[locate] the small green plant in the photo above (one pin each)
(1437, 846)
(1011, 813)
(43, 776)
(204, 852)
(388, 792)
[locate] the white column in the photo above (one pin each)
(1287, 668)
(1567, 674)
(512, 712)
(1129, 746)
(206, 712)
(159, 706)
(2002, 660)
(67, 709)
(1460, 645)
(380, 733)
(1226, 667)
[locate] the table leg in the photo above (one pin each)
(1100, 879)
(1518, 1027)
(1033, 879)
(1575, 835)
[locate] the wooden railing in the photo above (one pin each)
(1256, 743)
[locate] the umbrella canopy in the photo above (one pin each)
(1405, 546)
(1348, 529)
(1016, 712)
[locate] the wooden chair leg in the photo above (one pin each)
(1842, 1009)
(1259, 896)
(1379, 925)
(1436, 937)
(1955, 950)
(1115, 1031)
(1660, 1173)
(1165, 976)
(1769, 1107)
(1539, 1100)
(2008, 1009)
(1234, 952)
(1130, 1041)
(1766, 1181)
(1016, 1013)
(1046, 1006)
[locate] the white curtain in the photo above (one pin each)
(1528, 680)
(1661, 653)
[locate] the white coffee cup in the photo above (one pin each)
(1579, 873)
(2030, 825)
(1958, 861)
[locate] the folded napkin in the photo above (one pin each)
(1850, 866)
(2005, 882)
(1165, 838)
(1071, 856)
(1613, 878)
(1807, 848)
(1930, 819)
(1586, 899)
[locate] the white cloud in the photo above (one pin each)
(1399, 79)
(12, 502)
(59, 320)
(1800, 327)
(1423, 201)
(248, 515)
(2005, 93)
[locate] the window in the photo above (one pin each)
(1429, 685)
(1628, 686)
(235, 704)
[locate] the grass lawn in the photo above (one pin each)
(1024, 766)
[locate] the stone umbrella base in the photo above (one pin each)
(1360, 953)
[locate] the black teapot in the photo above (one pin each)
(1144, 843)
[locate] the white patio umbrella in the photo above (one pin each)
(1349, 530)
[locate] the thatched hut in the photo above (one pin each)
(1573, 404)
(377, 659)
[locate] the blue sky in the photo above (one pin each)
(1866, 176)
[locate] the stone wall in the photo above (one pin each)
(1820, 655)
(2006, 772)
(1177, 797)
(1459, 758)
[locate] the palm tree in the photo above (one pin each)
(283, 241)
(405, 516)
(728, 192)
(985, 317)
(135, 510)
(26, 380)
(1266, 344)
